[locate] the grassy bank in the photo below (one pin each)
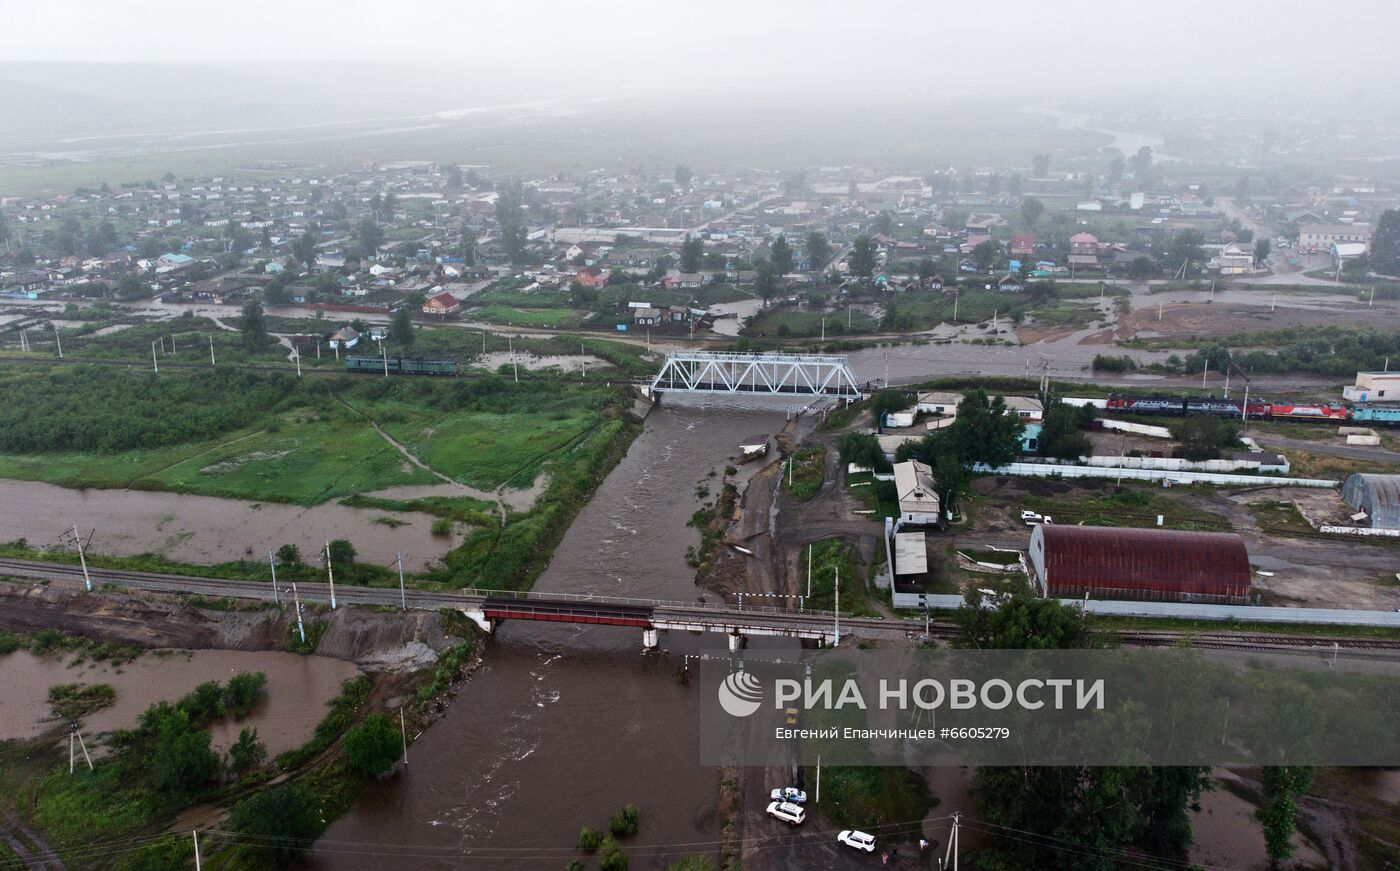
(831, 557)
(807, 473)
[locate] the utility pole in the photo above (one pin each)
(197, 865)
(72, 734)
(1244, 412)
(823, 329)
(330, 575)
(1159, 310)
(403, 596)
(836, 614)
(1205, 370)
(82, 558)
(1229, 364)
(403, 735)
(173, 350)
(516, 368)
(211, 350)
(1372, 301)
(296, 352)
(1212, 290)
(154, 364)
(956, 297)
(819, 779)
(809, 571)
(296, 600)
(59, 339)
(385, 355)
(952, 851)
(272, 564)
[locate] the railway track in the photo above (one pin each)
(318, 592)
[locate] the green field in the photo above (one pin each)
(554, 318)
(784, 322)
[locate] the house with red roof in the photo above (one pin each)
(1023, 245)
(591, 276)
(442, 305)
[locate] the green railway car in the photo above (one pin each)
(401, 366)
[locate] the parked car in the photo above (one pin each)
(857, 840)
(789, 793)
(793, 815)
(1031, 517)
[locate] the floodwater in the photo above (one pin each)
(566, 724)
(1126, 141)
(207, 529)
(740, 309)
(298, 688)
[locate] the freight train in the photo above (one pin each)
(400, 366)
(1258, 409)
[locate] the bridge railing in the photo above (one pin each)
(631, 601)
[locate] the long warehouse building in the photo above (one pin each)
(1148, 564)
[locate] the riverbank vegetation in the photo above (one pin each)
(805, 472)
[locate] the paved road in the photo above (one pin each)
(1354, 452)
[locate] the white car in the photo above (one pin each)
(789, 813)
(789, 793)
(857, 840)
(1031, 517)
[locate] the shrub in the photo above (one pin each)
(281, 823)
(611, 857)
(625, 821)
(589, 838)
(247, 751)
(373, 746)
(243, 692)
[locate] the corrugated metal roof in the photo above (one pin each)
(1377, 495)
(1148, 563)
(910, 555)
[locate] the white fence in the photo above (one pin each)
(1055, 470)
(1362, 531)
(1142, 429)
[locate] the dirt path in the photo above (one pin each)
(34, 853)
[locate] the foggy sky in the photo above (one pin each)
(927, 46)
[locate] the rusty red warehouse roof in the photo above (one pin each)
(1142, 563)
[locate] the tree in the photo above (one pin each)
(1022, 621)
(1278, 816)
(1385, 244)
(1186, 251)
(279, 824)
(1142, 166)
(683, 176)
(1115, 170)
(182, 764)
(611, 857)
(254, 325)
(986, 254)
(862, 257)
(818, 250)
(1203, 435)
(1142, 268)
(469, 246)
(1013, 185)
(1262, 247)
(1060, 434)
(401, 328)
(242, 692)
(370, 236)
(692, 250)
(884, 224)
(373, 746)
(1031, 210)
(247, 751)
(927, 270)
(342, 552)
(304, 249)
(1040, 165)
(985, 430)
(862, 449)
(888, 402)
(289, 555)
(130, 287)
(766, 282)
(780, 255)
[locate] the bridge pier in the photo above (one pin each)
(478, 616)
(736, 642)
(649, 639)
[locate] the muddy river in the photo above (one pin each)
(565, 724)
(298, 688)
(206, 529)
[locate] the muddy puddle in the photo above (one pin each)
(298, 688)
(206, 529)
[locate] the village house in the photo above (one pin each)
(442, 305)
(591, 276)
